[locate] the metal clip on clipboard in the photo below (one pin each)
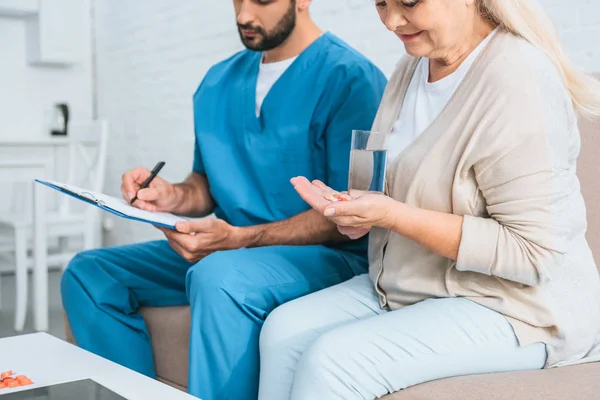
(89, 196)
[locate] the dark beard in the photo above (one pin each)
(271, 40)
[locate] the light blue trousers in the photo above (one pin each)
(230, 294)
(339, 344)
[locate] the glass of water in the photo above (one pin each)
(368, 159)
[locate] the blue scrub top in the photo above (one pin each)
(304, 129)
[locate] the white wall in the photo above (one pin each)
(27, 92)
(152, 54)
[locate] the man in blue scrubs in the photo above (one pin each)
(284, 107)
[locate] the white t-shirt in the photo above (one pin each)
(268, 74)
(425, 101)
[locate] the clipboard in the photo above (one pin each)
(116, 206)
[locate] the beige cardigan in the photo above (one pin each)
(502, 154)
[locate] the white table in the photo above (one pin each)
(47, 360)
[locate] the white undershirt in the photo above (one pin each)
(425, 101)
(268, 74)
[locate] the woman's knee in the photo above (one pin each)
(279, 326)
(327, 356)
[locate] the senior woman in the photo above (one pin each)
(478, 257)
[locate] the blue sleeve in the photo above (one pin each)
(198, 165)
(355, 109)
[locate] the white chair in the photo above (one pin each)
(86, 168)
(26, 170)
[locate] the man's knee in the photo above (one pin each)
(77, 268)
(78, 274)
(217, 273)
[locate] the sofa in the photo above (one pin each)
(169, 329)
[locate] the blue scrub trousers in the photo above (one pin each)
(230, 294)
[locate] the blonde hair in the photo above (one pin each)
(528, 20)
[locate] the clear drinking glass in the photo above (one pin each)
(368, 159)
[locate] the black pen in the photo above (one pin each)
(153, 174)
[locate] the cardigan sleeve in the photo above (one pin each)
(527, 179)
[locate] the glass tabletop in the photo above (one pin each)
(77, 390)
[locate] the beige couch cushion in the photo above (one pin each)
(169, 329)
(580, 382)
(588, 170)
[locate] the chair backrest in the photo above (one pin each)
(86, 166)
(589, 174)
